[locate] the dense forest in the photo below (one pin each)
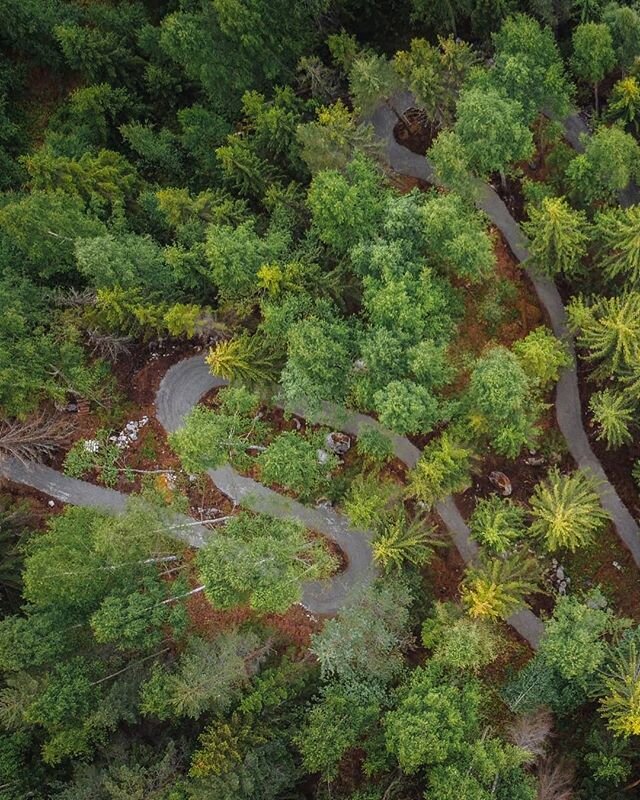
(319, 399)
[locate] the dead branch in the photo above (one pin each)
(73, 298)
(34, 440)
(108, 345)
(530, 732)
(555, 779)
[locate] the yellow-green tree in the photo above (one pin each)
(566, 511)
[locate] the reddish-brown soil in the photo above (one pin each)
(294, 627)
(523, 476)
(474, 333)
(406, 183)
(444, 572)
(609, 565)
(511, 194)
(36, 503)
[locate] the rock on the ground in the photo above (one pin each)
(501, 482)
(338, 442)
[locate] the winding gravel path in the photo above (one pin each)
(180, 390)
(186, 382)
(568, 409)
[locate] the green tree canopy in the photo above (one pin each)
(593, 54)
(347, 208)
(610, 161)
(260, 561)
(566, 511)
(501, 401)
(492, 130)
(559, 235)
(529, 68)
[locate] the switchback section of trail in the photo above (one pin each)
(180, 390)
(568, 408)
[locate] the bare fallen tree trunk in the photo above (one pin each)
(34, 440)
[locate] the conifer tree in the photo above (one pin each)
(566, 511)
(614, 413)
(609, 330)
(559, 235)
(496, 587)
(618, 236)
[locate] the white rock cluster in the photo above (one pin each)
(559, 578)
(129, 434)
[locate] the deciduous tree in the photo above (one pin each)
(624, 23)
(457, 237)
(261, 561)
(364, 645)
(405, 407)
(347, 208)
(209, 438)
(318, 361)
(492, 131)
(593, 55)
(529, 68)
(610, 161)
(500, 401)
(291, 460)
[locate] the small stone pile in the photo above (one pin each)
(129, 434)
(559, 579)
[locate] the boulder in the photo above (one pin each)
(501, 482)
(338, 442)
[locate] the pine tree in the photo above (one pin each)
(624, 102)
(401, 541)
(618, 236)
(372, 79)
(242, 360)
(609, 329)
(566, 511)
(496, 587)
(558, 235)
(620, 705)
(614, 413)
(497, 523)
(444, 468)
